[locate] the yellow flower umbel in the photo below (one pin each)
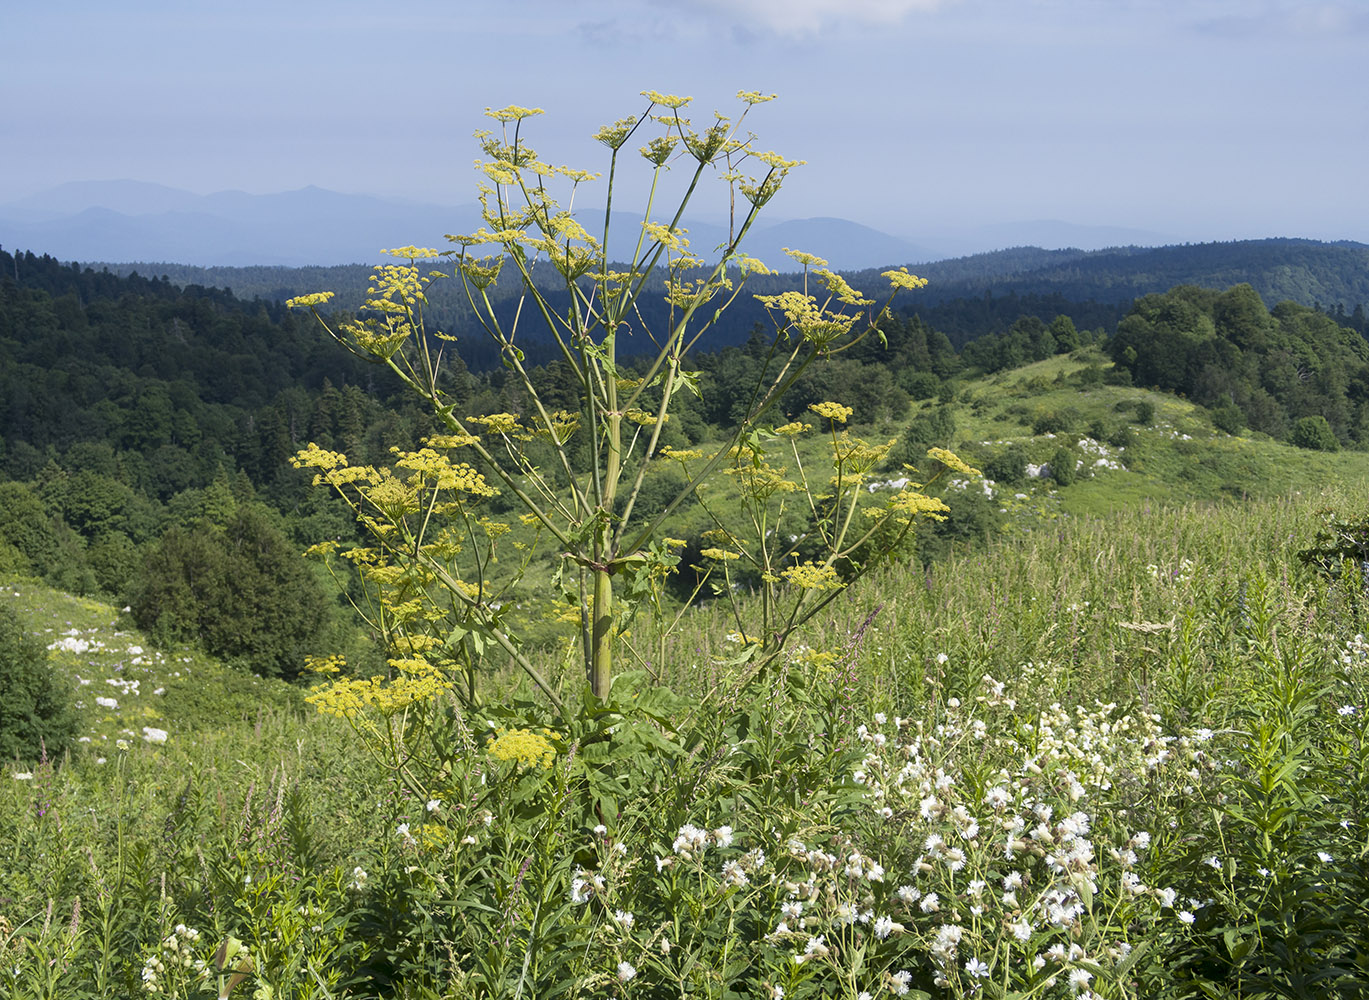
(811, 576)
(832, 411)
(952, 461)
(523, 747)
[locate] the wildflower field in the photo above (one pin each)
(1121, 756)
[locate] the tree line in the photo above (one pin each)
(146, 429)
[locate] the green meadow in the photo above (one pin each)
(1116, 749)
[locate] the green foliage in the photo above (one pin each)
(1172, 719)
(1007, 466)
(1063, 465)
(1225, 348)
(1314, 434)
(36, 715)
(50, 547)
(1227, 417)
(930, 428)
(1340, 549)
(239, 590)
(1065, 420)
(920, 385)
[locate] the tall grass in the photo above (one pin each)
(1121, 756)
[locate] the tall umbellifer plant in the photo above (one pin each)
(438, 604)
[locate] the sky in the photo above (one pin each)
(1197, 119)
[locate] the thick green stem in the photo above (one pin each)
(601, 641)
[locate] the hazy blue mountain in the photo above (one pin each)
(136, 221)
(125, 197)
(128, 221)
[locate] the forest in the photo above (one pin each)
(146, 428)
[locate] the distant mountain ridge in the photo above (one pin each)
(1309, 272)
(137, 221)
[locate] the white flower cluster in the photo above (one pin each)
(176, 955)
(1182, 574)
(1024, 852)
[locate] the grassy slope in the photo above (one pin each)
(1178, 460)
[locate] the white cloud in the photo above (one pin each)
(805, 17)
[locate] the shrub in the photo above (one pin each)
(1007, 467)
(1228, 417)
(924, 431)
(1341, 541)
(1062, 421)
(1145, 412)
(35, 713)
(1314, 434)
(920, 385)
(1121, 436)
(1062, 465)
(242, 592)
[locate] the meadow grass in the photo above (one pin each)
(1119, 756)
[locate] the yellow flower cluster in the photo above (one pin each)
(832, 411)
(671, 239)
(493, 529)
(952, 461)
(325, 664)
(382, 339)
(902, 279)
(336, 472)
(395, 284)
(314, 457)
(392, 497)
(308, 301)
(416, 681)
(512, 113)
(497, 423)
(564, 614)
(806, 259)
(910, 504)
(613, 136)
(412, 252)
(844, 293)
(793, 429)
(433, 469)
(683, 294)
(820, 663)
(811, 576)
(482, 272)
(667, 100)
(524, 747)
(446, 442)
(722, 555)
(761, 482)
(819, 327)
(857, 457)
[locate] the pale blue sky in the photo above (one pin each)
(1200, 119)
